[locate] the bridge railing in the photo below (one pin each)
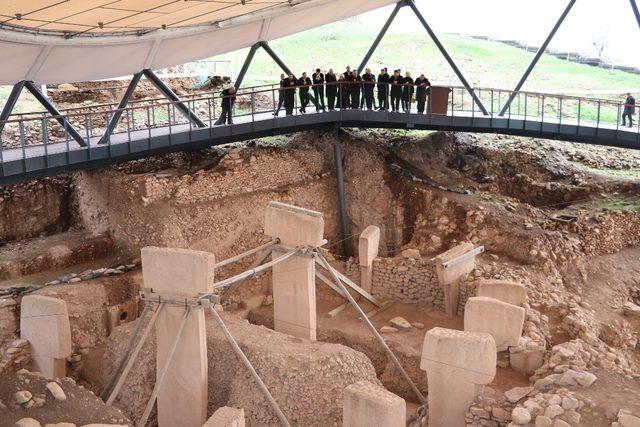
(144, 118)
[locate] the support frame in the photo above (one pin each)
(115, 118)
(537, 57)
(636, 12)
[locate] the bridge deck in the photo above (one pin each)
(33, 161)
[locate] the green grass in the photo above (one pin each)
(613, 202)
(631, 174)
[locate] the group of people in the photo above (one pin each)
(350, 90)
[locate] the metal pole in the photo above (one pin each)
(165, 369)
(11, 103)
(132, 359)
(259, 260)
(166, 91)
(281, 64)
(54, 112)
(247, 63)
(634, 6)
(536, 58)
(127, 352)
(254, 271)
(383, 31)
(245, 254)
(446, 55)
(115, 117)
(344, 226)
(247, 364)
(373, 330)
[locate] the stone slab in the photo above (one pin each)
(44, 322)
(226, 417)
(180, 273)
(294, 226)
(368, 245)
(503, 321)
(503, 290)
(367, 404)
(458, 364)
(294, 296)
(454, 272)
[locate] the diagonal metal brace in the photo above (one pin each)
(115, 118)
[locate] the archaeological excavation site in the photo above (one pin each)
(340, 277)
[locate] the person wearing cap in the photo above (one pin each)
(332, 89)
(289, 88)
(368, 83)
(280, 94)
(304, 83)
(396, 81)
(422, 90)
(318, 89)
(228, 96)
(383, 90)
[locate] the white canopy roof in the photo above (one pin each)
(54, 41)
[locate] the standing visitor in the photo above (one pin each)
(318, 89)
(407, 92)
(422, 90)
(396, 82)
(629, 110)
(290, 94)
(280, 94)
(368, 83)
(383, 90)
(332, 89)
(304, 83)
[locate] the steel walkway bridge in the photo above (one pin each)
(43, 144)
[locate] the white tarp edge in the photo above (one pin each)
(53, 59)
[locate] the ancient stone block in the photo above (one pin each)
(450, 273)
(226, 417)
(503, 290)
(44, 322)
(503, 321)
(367, 404)
(368, 251)
(180, 273)
(294, 226)
(458, 363)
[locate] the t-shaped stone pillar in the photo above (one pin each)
(366, 404)
(502, 320)
(44, 322)
(368, 251)
(294, 289)
(451, 266)
(180, 274)
(503, 290)
(458, 364)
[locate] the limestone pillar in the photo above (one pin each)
(503, 290)
(294, 290)
(44, 322)
(458, 364)
(368, 251)
(451, 266)
(226, 417)
(367, 404)
(180, 274)
(502, 320)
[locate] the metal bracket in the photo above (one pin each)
(472, 253)
(202, 300)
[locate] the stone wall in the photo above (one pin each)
(8, 320)
(15, 357)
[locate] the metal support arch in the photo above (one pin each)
(166, 91)
(446, 55)
(115, 118)
(383, 31)
(536, 58)
(636, 12)
(11, 103)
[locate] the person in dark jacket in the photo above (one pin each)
(422, 90)
(629, 110)
(304, 83)
(289, 89)
(228, 98)
(356, 88)
(318, 89)
(396, 81)
(332, 89)
(345, 90)
(280, 94)
(407, 92)
(383, 89)
(368, 83)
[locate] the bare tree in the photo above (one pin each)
(600, 42)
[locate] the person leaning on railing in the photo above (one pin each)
(396, 81)
(228, 98)
(289, 89)
(332, 89)
(318, 89)
(304, 83)
(283, 79)
(368, 83)
(422, 90)
(383, 90)
(407, 92)
(629, 110)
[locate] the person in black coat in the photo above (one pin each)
(345, 90)
(383, 89)
(407, 92)
(283, 79)
(289, 88)
(318, 89)
(368, 83)
(228, 98)
(332, 89)
(356, 87)
(422, 90)
(396, 81)
(304, 83)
